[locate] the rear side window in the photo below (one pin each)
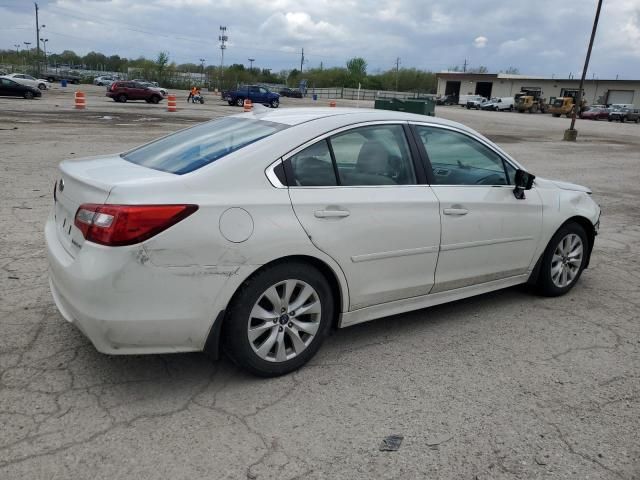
(195, 147)
(313, 167)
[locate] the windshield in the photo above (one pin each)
(190, 149)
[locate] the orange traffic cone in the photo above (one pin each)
(172, 106)
(332, 103)
(80, 100)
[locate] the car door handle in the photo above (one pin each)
(455, 211)
(331, 213)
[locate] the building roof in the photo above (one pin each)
(509, 76)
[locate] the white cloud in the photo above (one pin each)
(480, 42)
(513, 47)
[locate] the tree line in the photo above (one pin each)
(355, 72)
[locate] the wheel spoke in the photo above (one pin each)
(556, 271)
(576, 252)
(563, 281)
(296, 341)
(274, 298)
(302, 298)
(281, 349)
(313, 307)
(556, 259)
(257, 332)
(267, 345)
(262, 314)
(289, 287)
(307, 327)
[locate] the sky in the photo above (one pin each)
(542, 37)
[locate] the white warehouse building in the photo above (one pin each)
(596, 91)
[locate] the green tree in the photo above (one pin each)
(357, 68)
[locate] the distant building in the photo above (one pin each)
(596, 91)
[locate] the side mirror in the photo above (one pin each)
(524, 181)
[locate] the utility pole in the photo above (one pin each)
(464, 67)
(202, 60)
(571, 134)
(397, 71)
(223, 39)
(301, 60)
(18, 49)
(37, 31)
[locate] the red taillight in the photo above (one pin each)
(119, 225)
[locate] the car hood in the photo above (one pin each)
(543, 182)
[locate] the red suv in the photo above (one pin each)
(122, 91)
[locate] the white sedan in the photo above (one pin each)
(25, 79)
(259, 232)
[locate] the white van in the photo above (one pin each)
(504, 103)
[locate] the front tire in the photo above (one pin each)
(278, 319)
(274, 103)
(28, 95)
(563, 260)
(239, 102)
(122, 98)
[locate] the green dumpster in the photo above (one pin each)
(421, 106)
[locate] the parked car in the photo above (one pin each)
(62, 75)
(105, 80)
(595, 113)
(498, 104)
(154, 86)
(25, 79)
(463, 99)
(290, 92)
(447, 100)
(11, 88)
(255, 93)
(476, 103)
(625, 114)
(123, 91)
(168, 253)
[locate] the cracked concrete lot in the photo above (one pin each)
(502, 386)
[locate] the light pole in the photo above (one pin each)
(251, 60)
(223, 40)
(202, 60)
(571, 134)
(44, 46)
(17, 47)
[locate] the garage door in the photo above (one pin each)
(620, 97)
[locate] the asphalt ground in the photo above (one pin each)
(507, 385)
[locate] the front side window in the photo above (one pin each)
(193, 148)
(457, 159)
(376, 155)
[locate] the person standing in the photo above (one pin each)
(192, 93)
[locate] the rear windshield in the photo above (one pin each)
(195, 147)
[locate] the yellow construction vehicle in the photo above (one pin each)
(564, 106)
(529, 100)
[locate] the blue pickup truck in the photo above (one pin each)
(255, 93)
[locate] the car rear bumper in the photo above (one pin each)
(126, 305)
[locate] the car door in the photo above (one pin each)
(487, 233)
(8, 87)
(361, 200)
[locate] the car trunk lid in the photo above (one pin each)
(90, 181)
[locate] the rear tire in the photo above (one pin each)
(155, 99)
(262, 331)
(122, 98)
(563, 260)
(28, 95)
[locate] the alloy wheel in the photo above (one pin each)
(566, 260)
(284, 321)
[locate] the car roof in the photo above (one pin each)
(345, 116)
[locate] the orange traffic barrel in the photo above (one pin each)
(172, 106)
(80, 100)
(247, 105)
(332, 103)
